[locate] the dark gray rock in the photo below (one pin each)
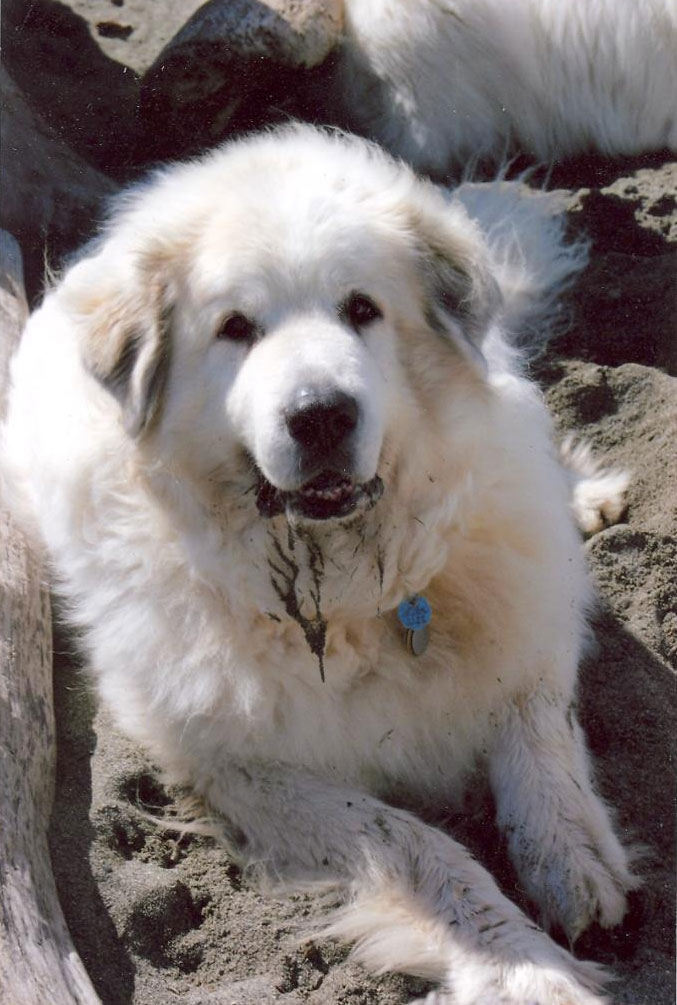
(52, 200)
(235, 66)
(88, 99)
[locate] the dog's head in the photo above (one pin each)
(290, 315)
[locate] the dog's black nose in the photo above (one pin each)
(321, 422)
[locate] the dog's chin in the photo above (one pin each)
(329, 496)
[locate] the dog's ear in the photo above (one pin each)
(462, 297)
(123, 317)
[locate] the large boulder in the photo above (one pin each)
(234, 66)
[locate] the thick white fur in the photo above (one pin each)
(442, 82)
(156, 541)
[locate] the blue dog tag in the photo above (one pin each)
(414, 615)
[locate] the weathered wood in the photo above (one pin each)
(38, 963)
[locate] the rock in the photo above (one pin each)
(134, 32)
(235, 65)
(52, 200)
(88, 99)
(290, 32)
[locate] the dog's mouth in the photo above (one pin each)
(331, 495)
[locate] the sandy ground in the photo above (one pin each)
(159, 920)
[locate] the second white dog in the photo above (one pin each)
(447, 82)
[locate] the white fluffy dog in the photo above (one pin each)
(265, 425)
(441, 82)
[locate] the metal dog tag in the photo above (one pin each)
(417, 640)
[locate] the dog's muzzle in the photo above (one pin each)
(321, 426)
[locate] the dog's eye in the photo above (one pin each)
(237, 328)
(360, 310)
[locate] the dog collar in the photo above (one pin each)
(414, 614)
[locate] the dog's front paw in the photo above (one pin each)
(578, 887)
(559, 833)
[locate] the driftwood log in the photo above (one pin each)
(38, 964)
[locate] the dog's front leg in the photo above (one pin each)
(559, 832)
(416, 900)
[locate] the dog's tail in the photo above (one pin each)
(599, 494)
(533, 260)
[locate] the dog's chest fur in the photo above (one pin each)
(306, 602)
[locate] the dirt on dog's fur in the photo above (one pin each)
(157, 918)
